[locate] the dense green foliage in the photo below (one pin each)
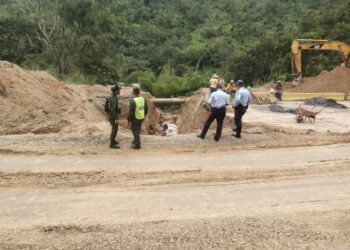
(170, 47)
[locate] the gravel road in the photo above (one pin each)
(291, 198)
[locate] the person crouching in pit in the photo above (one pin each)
(218, 101)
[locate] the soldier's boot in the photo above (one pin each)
(134, 146)
(114, 145)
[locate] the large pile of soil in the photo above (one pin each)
(337, 80)
(192, 115)
(36, 102)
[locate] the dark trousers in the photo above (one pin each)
(114, 130)
(278, 95)
(219, 116)
(239, 112)
(136, 131)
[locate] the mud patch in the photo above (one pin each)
(321, 101)
(281, 109)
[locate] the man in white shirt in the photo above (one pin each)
(218, 101)
(240, 104)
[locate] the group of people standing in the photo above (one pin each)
(137, 112)
(219, 100)
(216, 80)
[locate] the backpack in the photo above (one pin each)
(106, 105)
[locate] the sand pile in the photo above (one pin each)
(262, 99)
(337, 80)
(36, 102)
(33, 101)
(192, 115)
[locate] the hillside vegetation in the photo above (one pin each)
(170, 47)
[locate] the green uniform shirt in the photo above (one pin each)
(113, 107)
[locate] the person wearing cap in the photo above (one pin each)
(113, 115)
(240, 104)
(137, 112)
(213, 82)
(218, 101)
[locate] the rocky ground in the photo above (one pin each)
(284, 185)
(291, 198)
(279, 187)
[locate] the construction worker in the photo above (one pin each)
(221, 81)
(213, 83)
(278, 90)
(137, 112)
(218, 101)
(240, 104)
(231, 88)
(113, 115)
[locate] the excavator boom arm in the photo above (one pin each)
(309, 44)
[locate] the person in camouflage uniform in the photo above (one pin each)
(113, 114)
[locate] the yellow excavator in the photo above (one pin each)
(299, 45)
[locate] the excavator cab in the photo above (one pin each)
(299, 45)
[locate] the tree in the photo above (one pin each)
(51, 35)
(14, 44)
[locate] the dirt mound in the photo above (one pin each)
(192, 114)
(261, 99)
(337, 80)
(32, 101)
(36, 102)
(271, 85)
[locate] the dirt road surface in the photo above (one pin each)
(292, 198)
(284, 185)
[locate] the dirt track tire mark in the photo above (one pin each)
(184, 177)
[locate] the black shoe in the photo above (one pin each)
(237, 136)
(115, 146)
(135, 146)
(199, 136)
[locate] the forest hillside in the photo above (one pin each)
(170, 47)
